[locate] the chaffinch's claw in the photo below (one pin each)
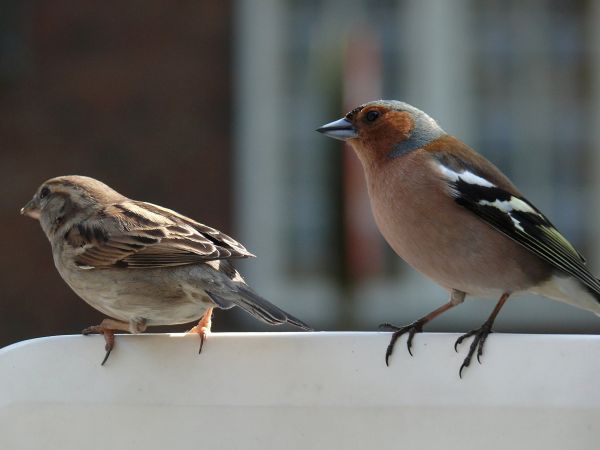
(455, 217)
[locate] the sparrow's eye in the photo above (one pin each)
(44, 192)
(372, 116)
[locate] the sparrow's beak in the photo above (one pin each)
(340, 129)
(31, 209)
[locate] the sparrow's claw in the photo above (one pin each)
(480, 336)
(94, 329)
(203, 327)
(108, 350)
(202, 332)
(109, 338)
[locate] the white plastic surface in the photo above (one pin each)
(299, 391)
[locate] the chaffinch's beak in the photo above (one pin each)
(31, 209)
(340, 129)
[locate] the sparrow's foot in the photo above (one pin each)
(202, 332)
(108, 328)
(412, 329)
(203, 327)
(479, 337)
(109, 338)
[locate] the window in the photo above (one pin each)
(519, 83)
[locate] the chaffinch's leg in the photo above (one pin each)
(480, 334)
(203, 327)
(107, 328)
(456, 298)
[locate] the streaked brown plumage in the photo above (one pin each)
(139, 263)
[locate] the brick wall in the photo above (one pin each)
(135, 93)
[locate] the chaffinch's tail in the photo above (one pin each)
(569, 290)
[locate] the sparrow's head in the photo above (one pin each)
(61, 199)
(384, 129)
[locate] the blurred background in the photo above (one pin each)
(209, 108)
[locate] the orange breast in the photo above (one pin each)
(441, 239)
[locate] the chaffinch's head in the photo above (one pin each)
(384, 129)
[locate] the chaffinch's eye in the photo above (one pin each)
(372, 116)
(44, 192)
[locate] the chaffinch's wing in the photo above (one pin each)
(471, 186)
(419, 175)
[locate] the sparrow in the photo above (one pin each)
(141, 264)
(456, 218)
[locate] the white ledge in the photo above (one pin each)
(299, 391)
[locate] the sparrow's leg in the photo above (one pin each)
(107, 328)
(456, 298)
(480, 334)
(203, 327)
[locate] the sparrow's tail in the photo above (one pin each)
(258, 307)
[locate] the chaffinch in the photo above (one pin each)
(454, 217)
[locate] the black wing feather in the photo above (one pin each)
(531, 229)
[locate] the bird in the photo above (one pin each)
(456, 218)
(141, 264)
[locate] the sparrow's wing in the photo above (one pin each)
(518, 219)
(142, 235)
